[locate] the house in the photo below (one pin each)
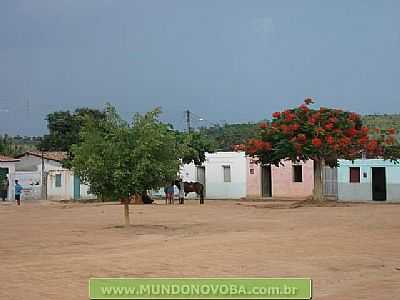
(291, 180)
(7, 168)
(368, 179)
(60, 183)
(223, 174)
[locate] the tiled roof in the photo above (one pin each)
(49, 155)
(7, 159)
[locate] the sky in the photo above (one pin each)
(226, 61)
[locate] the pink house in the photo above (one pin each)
(293, 180)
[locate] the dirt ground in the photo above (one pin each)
(49, 250)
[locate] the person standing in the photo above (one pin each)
(4, 188)
(181, 192)
(18, 192)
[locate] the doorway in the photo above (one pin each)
(266, 181)
(379, 184)
(3, 174)
(77, 188)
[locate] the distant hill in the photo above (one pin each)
(382, 121)
(224, 136)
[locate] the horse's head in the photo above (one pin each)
(177, 182)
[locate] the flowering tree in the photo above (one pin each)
(323, 135)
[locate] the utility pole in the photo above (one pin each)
(188, 121)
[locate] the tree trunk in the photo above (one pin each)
(318, 194)
(126, 212)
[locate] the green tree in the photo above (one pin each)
(223, 138)
(323, 135)
(194, 145)
(120, 159)
(64, 128)
(8, 146)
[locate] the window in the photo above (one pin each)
(227, 173)
(252, 171)
(354, 174)
(58, 180)
(298, 173)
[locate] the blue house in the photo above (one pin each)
(368, 179)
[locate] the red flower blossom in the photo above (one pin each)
(319, 130)
(378, 130)
(239, 147)
(372, 145)
(294, 127)
(316, 142)
(391, 131)
(330, 140)
(344, 141)
(304, 108)
(311, 121)
(329, 126)
(363, 140)
(276, 115)
(256, 145)
(351, 132)
(364, 130)
(263, 125)
(285, 128)
(289, 117)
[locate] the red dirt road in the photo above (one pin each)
(48, 250)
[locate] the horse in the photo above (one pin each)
(189, 187)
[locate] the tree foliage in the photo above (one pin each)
(8, 146)
(223, 138)
(119, 159)
(325, 134)
(64, 128)
(322, 135)
(194, 145)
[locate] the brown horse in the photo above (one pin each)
(190, 187)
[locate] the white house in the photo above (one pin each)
(368, 179)
(7, 168)
(61, 184)
(223, 175)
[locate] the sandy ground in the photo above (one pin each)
(48, 251)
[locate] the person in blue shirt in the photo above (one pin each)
(18, 191)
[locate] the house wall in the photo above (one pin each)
(283, 184)
(253, 174)
(29, 169)
(11, 178)
(215, 185)
(66, 190)
(362, 191)
(31, 183)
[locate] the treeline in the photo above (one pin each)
(382, 121)
(63, 131)
(14, 145)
